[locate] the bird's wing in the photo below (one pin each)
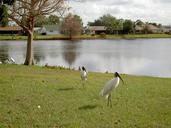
(85, 74)
(82, 74)
(107, 88)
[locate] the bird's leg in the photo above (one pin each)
(83, 83)
(110, 99)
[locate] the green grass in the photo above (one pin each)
(143, 102)
(62, 37)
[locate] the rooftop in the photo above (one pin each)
(11, 28)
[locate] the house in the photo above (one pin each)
(153, 29)
(11, 30)
(139, 29)
(96, 29)
(147, 28)
(47, 30)
(166, 29)
(51, 29)
(40, 30)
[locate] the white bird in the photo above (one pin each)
(0, 62)
(83, 74)
(110, 85)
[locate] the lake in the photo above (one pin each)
(149, 57)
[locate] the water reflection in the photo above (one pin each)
(70, 52)
(140, 57)
(39, 53)
(4, 48)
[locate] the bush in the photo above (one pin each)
(93, 34)
(103, 35)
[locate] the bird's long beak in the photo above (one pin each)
(121, 78)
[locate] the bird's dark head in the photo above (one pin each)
(117, 75)
(83, 68)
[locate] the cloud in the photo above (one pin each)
(146, 10)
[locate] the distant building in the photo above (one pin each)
(147, 28)
(47, 30)
(96, 29)
(154, 29)
(139, 29)
(166, 29)
(11, 30)
(52, 29)
(40, 30)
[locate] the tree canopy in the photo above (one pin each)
(128, 26)
(71, 25)
(44, 20)
(111, 23)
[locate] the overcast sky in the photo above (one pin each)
(146, 10)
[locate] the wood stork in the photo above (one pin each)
(110, 85)
(83, 74)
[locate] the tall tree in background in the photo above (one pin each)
(139, 22)
(110, 22)
(53, 19)
(71, 25)
(24, 12)
(97, 22)
(128, 26)
(40, 21)
(44, 20)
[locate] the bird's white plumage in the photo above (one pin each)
(83, 75)
(113, 83)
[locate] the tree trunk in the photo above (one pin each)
(29, 52)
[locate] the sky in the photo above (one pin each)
(158, 11)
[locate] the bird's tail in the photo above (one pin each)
(107, 96)
(102, 94)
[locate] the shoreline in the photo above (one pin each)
(87, 37)
(75, 69)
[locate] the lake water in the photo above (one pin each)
(150, 57)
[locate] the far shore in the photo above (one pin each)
(85, 37)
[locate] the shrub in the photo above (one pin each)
(103, 35)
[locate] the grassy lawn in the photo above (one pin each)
(39, 97)
(62, 37)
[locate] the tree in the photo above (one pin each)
(128, 26)
(110, 22)
(139, 22)
(40, 21)
(24, 13)
(43, 20)
(53, 19)
(97, 22)
(71, 25)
